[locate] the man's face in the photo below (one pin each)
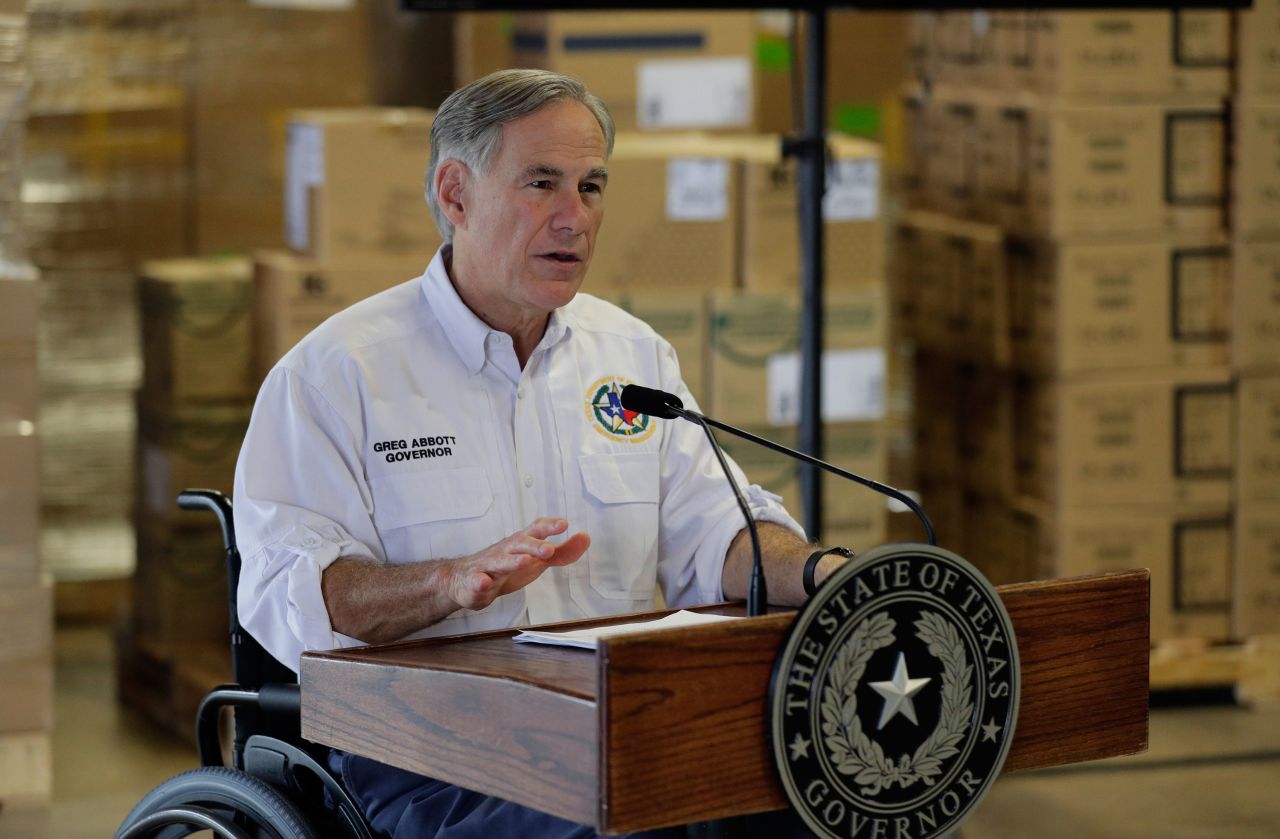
(531, 219)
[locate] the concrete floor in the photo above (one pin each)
(1211, 772)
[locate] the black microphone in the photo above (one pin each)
(668, 405)
(663, 405)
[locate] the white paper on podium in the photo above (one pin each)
(586, 638)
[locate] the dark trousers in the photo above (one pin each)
(404, 805)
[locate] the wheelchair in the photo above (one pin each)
(277, 786)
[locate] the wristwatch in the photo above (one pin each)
(811, 566)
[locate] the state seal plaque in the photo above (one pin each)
(894, 697)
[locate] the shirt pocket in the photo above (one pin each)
(435, 513)
(621, 500)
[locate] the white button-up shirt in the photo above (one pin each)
(403, 429)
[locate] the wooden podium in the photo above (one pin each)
(669, 727)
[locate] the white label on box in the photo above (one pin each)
(320, 5)
(694, 93)
(853, 191)
(853, 387)
(304, 168)
(697, 189)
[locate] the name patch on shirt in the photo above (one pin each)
(416, 448)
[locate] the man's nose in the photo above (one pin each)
(572, 214)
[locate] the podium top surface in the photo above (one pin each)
(669, 727)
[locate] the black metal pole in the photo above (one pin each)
(811, 177)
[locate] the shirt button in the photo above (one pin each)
(528, 480)
(310, 542)
(520, 393)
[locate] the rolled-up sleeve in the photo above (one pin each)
(301, 502)
(699, 515)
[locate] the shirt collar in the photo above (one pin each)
(465, 331)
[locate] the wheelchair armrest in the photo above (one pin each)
(275, 699)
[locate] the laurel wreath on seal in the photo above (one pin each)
(858, 755)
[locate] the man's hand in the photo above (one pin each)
(377, 603)
(477, 580)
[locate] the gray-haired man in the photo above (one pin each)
(389, 447)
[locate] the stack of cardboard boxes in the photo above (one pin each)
(356, 219)
(1255, 351)
(26, 603)
(1066, 276)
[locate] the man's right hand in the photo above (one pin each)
(477, 580)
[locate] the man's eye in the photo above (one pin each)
(541, 184)
(592, 188)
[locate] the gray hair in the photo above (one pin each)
(468, 125)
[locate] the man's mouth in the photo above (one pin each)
(565, 257)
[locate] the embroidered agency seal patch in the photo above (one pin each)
(608, 417)
(894, 698)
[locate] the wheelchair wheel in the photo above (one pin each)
(203, 798)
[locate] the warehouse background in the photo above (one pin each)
(1052, 308)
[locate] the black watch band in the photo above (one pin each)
(811, 566)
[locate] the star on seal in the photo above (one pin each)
(897, 693)
(799, 747)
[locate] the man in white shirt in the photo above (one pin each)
(392, 444)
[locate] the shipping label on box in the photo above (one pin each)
(679, 317)
(1083, 306)
(1257, 569)
(353, 191)
(196, 329)
(1255, 192)
(1258, 438)
(1149, 437)
(1255, 334)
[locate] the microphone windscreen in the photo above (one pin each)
(655, 403)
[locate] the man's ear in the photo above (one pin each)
(452, 178)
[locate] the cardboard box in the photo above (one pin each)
(481, 44)
(196, 336)
(26, 766)
(1131, 53)
(20, 483)
(997, 538)
(292, 295)
(88, 440)
(19, 564)
(354, 187)
(1089, 305)
(19, 394)
(1142, 437)
(1058, 168)
(182, 446)
(89, 330)
(937, 422)
(1188, 549)
(754, 368)
(655, 71)
(1255, 334)
(681, 318)
(26, 656)
(1258, 45)
(853, 516)
(854, 234)
(86, 544)
(671, 216)
(1258, 438)
(953, 277)
(1255, 179)
(1257, 569)
(180, 585)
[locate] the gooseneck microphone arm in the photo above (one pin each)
(666, 405)
(657, 403)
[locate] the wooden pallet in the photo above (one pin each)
(1251, 667)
